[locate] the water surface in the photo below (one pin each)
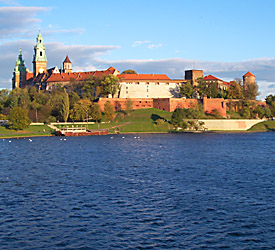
(159, 191)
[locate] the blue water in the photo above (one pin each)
(160, 191)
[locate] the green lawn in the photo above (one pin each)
(264, 126)
(35, 130)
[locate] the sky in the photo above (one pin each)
(225, 38)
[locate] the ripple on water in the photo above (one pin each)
(157, 192)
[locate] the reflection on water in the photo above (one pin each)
(186, 191)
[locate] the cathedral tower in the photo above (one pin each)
(67, 65)
(19, 73)
(39, 57)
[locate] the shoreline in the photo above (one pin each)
(125, 133)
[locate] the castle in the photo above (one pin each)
(145, 90)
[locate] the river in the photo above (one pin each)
(138, 191)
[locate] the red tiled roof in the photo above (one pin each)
(249, 74)
(79, 76)
(29, 75)
(143, 77)
(67, 60)
(210, 77)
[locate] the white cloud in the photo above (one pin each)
(17, 21)
(137, 43)
(154, 46)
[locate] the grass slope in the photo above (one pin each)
(141, 120)
(264, 126)
(34, 130)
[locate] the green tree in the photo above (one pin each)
(18, 118)
(65, 106)
(129, 71)
(109, 111)
(234, 91)
(208, 89)
(110, 85)
(187, 90)
(270, 99)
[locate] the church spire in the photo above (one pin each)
(19, 73)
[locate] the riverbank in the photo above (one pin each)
(145, 121)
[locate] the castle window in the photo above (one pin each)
(40, 41)
(40, 53)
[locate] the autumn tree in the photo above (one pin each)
(109, 111)
(81, 110)
(234, 91)
(96, 112)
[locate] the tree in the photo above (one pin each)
(187, 90)
(110, 85)
(18, 118)
(129, 106)
(109, 111)
(65, 106)
(129, 71)
(208, 89)
(81, 110)
(270, 99)
(96, 112)
(234, 91)
(250, 92)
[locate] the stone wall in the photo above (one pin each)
(229, 125)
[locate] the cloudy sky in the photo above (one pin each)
(225, 38)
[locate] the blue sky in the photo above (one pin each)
(224, 38)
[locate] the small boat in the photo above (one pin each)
(80, 131)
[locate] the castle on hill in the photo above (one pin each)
(131, 85)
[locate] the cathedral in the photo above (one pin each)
(46, 78)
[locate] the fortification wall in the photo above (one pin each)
(209, 105)
(121, 103)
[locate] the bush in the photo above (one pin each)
(159, 122)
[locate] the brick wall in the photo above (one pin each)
(121, 103)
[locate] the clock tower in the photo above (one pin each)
(39, 57)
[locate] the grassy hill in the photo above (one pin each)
(264, 126)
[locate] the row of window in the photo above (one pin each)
(148, 83)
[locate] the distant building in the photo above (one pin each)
(222, 85)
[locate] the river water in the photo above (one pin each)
(146, 191)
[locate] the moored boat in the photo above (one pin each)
(80, 132)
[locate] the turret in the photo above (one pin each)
(39, 57)
(67, 65)
(19, 73)
(248, 79)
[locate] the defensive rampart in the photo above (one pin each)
(229, 125)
